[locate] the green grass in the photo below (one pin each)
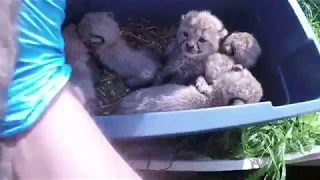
(312, 10)
(276, 139)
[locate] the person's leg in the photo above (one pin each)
(66, 144)
(47, 133)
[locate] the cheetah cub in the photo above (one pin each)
(216, 65)
(243, 48)
(236, 84)
(77, 55)
(198, 36)
(102, 34)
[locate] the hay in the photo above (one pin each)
(216, 145)
(110, 90)
(141, 35)
(109, 87)
(145, 35)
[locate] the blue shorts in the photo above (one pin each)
(41, 71)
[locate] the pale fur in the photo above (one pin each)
(167, 97)
(102, 34)
(243, 48)
(242, 86)
(234, 84)
(77, 55)
(238, 85)
(199, 30)
(216, 65)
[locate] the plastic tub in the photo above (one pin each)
(288, 68)
(311, 158)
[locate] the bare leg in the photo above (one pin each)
(65, 127)
(8, 51)
(8, 56)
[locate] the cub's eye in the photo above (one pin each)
(185, 34)
(202, 40)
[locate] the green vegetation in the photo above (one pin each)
(275, 140)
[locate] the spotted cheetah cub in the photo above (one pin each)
(243, 48)
(216, 65)
(77, 55)
(102, 34)
(198, 36)
(236, 84)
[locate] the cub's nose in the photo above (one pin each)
(189, 47)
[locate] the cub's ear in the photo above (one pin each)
(189, 15)
(110, 14)
(237, 68)
(183, 17)
(223, 33)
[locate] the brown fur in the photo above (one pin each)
(216, 65)
(77, 55)
(198, 36)
(243, 48)
(237, 83)
(102, 34)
